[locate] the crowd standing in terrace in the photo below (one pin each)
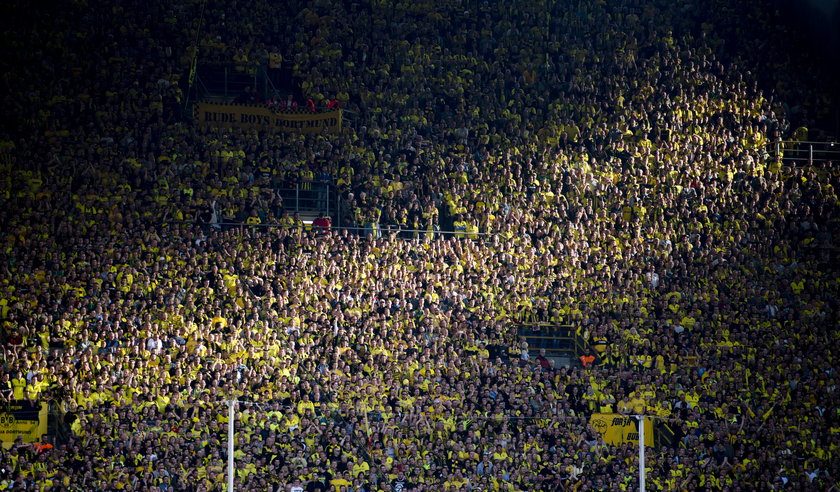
(611, 155)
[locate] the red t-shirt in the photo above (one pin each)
(322, 223)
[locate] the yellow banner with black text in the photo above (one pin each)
(617, 429)
(262, 118)
(20, 419)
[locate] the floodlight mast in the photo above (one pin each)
(641, 419)
(230, 404)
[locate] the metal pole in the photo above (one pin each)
(337, 207)
(641, 452)
(230, 403)
(811, 154)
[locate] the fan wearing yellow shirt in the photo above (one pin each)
(18, 386)
(358, 469)
(500, 454)
(292, 421)
(340, 481)
(304, 405)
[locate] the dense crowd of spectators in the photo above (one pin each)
(613, 156)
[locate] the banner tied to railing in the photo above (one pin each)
(21, 419)
(617, 429)
(262, 118)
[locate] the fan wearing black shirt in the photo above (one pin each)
(401, 483)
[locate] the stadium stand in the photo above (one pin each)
(614, 168)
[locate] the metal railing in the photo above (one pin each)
(370, 229)
(663, 435)
(570, 342)
(221, 82)
(351, 118)
(311, 196)
(224, 81)
(793, 151)
(58, 426)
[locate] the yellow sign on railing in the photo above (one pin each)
(262, 118)
(24, 420)
(617, 429)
